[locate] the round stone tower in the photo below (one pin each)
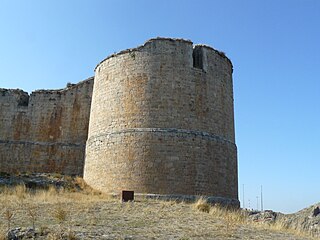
(162, 123)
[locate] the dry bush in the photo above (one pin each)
(202, 205)
(85, 187)
(46, 195)
(4, 190)
(71, 235)
(60, 214)
(20, 191)
(80, 183)
(33, 215)
(230, 215)
(8, 215)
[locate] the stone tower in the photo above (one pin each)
(162, 123)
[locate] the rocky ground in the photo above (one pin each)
(39, 181)
(77, 212)
(306, 220)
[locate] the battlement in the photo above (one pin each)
(21, 98)
(178, 42)
(69, 86)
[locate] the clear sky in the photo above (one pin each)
(274, 47)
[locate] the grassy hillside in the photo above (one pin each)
(87, 214)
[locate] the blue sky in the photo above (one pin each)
(274, 47)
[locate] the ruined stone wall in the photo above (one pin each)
(162, 122)
(46, 131)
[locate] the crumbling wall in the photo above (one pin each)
(46, 131)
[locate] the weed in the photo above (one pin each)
(232, 216)
(71, 235)
(202, 205)
(82, 185)
(60, 214)
(32, 213)
(8, 216)
(20, 191)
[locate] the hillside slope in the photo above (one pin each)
(78, 214)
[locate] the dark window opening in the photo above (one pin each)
(23, 100)
(197, 57)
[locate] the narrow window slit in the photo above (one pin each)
(197, 57)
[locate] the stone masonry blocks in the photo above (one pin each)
(162, 122)
(157, 119)
(46, 131)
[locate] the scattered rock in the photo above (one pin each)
(264, 216)
(39, 181)
(21, 233)
(307, 220)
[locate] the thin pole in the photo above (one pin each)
(261, 200)
(257, 203)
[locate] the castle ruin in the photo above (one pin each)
(157, 119)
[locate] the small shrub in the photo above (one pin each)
(60, 214)
(8, 216)
(20, 191)
(230, 215)
(80, 183)
(52, 191)
(202, 205)
(32, 213)
(46, 195)
(71, 235)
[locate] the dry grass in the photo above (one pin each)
(19, 194)
(85, 187)
(202, 205)
(280, 226)
(62, 234)
(234, 218)
(61, 214)
(2, 235)
(32, 214)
